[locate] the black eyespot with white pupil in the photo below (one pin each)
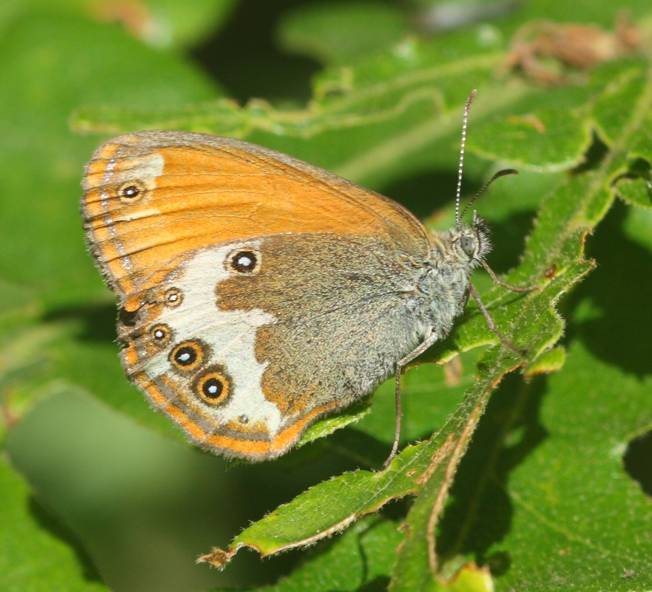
(213, 385)
(244, 261)
(188, 356)
(185, 356)
(212, 388)
(131, 191)
(160, 333)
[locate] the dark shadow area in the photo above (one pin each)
(370, 453)
(639, 168)
(481, 511)
(245, 58)
(508, 240)
(97, 320)
(594, 156)
(620, 292)
(637, 461)
(50, 524)
(378, 584)
(427, 192)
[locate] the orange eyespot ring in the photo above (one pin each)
(131, 191)
(187, 356)
(160, 334)
(213, 386)
(173, 297)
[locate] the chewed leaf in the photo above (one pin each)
(637, 192)
(350, 496)
(548, 362)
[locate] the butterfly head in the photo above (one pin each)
(471, 242)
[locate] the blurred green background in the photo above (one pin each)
(98, 490)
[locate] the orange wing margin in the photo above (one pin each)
(151, 197)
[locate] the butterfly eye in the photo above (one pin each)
(187, 356)
(213, 386)
(468, 245)
(131, 191)
(244, 261)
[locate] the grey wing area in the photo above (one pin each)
(346, 309)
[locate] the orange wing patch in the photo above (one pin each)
(152, 197)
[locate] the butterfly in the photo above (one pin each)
(258, 293)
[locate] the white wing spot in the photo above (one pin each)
(230, 335)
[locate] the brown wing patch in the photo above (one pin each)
(344, 314)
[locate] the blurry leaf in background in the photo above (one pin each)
(35, 552)
(42, 159)
(159, 23)
(342, 32)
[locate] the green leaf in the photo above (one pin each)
(160, 23)
(24, 369)
(363, 120)
(637, 192)
(327, 426)
(36, 553)
(361, 557)
(538, 139)
(543, 497)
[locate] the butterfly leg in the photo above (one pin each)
(504, 284)
(491, 323)
(422, 347)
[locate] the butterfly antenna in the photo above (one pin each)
(500, 173)
(460, 168)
